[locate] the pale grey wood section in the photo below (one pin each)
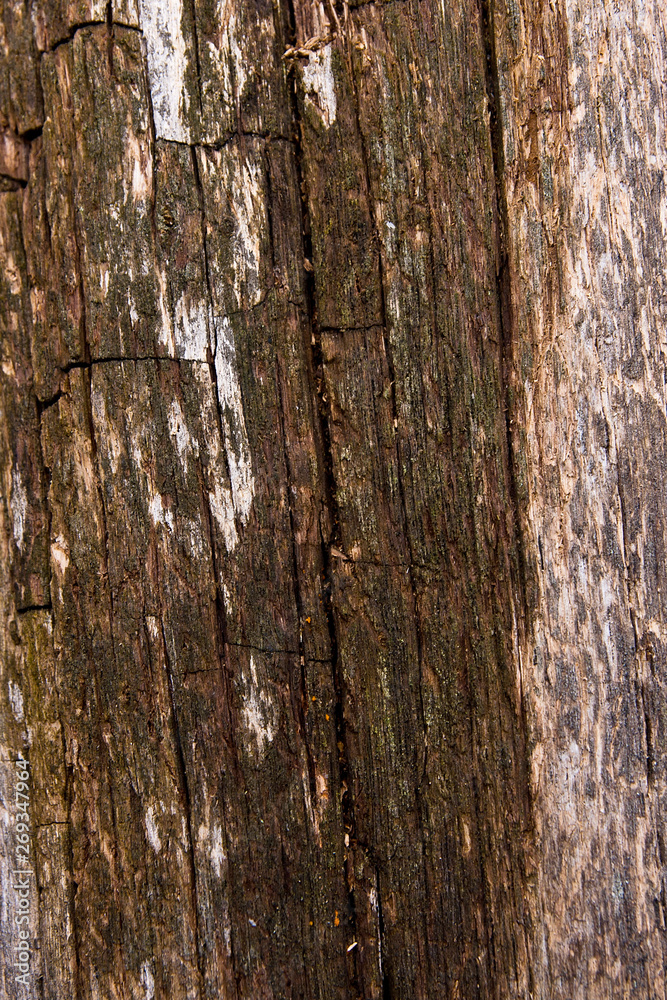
(583, 111)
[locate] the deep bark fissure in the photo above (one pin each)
(27, 609)
(301, 702)
(109, 770)
(505, 310)
(213, 335)
(504, 290)
(88, 407)
(387, 993)
(46, 404)
(186, 802)
(264, 649)
(110, 40)
(233, 136)
(222, 639)
(9, 183)
(69, 850)
(31, 134)
(648, 731)
(323, 440)
(76, 28)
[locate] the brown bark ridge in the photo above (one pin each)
(332, 474)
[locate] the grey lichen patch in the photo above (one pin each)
(172, 68)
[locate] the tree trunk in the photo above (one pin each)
(332, 465)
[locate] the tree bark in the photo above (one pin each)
(332, 534)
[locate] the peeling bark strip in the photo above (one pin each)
(332, 462)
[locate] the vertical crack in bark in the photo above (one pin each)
(46, 472)
(323, 439)
(69, 850)
(302, 702)
(221, 638)
(503, 281)
(110, 38)
(110, 769)
(88, 405)
(219, 603)
(212, 345)
(187, 804)
(387, 993)
(505, 317)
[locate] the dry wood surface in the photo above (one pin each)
(333, 476)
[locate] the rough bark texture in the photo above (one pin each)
(332, 468)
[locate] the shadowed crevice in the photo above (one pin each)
(187, 806)
(503, 283)
(331, 543)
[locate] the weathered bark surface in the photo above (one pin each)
(583, 105)
(332, 472)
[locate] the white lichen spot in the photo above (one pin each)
(220, 71)
(257, 711)
(60, 554)
(139, 165)
(159, 514)
(220, 497)
(218, 857)
(233, 421)
(240, 59)
(222, 508)
(134, 315)
(190, 330)
(179, 431)
(137, 453)
(467, 840)
(104, 279)
(248, 205)
(166, 336)
(322, 789)
(108, 434)
(152, 830)
(148, 982)
(319, 84)
(193, 532)
(161, 22)
(151, 622)
(226, 56)
(227, 597)
(16, 701)
(19, 507)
